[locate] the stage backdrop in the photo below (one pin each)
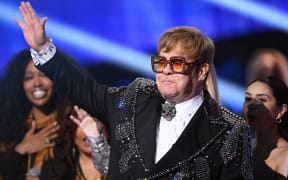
(117, 37)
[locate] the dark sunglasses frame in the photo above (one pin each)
(171, 61)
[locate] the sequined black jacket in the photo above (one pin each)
(214, 145)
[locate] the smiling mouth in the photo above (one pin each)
(39, 93)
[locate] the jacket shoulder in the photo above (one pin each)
(232, 117)
(139, 84)
(144, 84)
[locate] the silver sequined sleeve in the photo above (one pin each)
(100, 153)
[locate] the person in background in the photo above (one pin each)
(168, 129)
(267, 62)
(78, 135)
(265, 108)
(29, 124)
(30, 113)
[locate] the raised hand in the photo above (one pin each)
(86, 122)
(33, 28)
(34, 142)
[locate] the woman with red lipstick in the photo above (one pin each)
(29, 121)
(265, 108)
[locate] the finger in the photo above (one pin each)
(82, 114)
(34, 17)
(51, 144)
(75, 120)
(43, 21)
(23, 13)
(48, 138)
(52, 137)
(53, 127)
(33, 127)
(30, 11)
(77, 110)
(24, 10)
(80, 110)
(20, 23)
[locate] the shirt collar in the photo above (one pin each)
(189, 106)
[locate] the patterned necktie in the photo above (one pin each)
(168, 110)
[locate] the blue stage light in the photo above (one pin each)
(270, 15)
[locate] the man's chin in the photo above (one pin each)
(168, 97)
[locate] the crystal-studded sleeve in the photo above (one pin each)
(100, 153)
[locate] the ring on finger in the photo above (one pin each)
(47, 140)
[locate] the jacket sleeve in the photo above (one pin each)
(77, 84)
(240, 164)
(100, 153)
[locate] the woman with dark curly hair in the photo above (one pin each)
(265, 108)
(31, 112)
(30, 109)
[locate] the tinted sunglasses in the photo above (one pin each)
(178, 64)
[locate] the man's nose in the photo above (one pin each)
(168, 69)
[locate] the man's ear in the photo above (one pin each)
(203, 72)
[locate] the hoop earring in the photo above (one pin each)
(279, 120)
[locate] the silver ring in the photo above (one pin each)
(47, 140)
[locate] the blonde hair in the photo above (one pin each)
(211, 83)
(198, 46)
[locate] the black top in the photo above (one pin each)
(263, 171)
(14, 166)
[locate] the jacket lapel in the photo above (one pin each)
(196, 136)
(146, 129)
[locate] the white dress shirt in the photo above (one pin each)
(169, 131)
